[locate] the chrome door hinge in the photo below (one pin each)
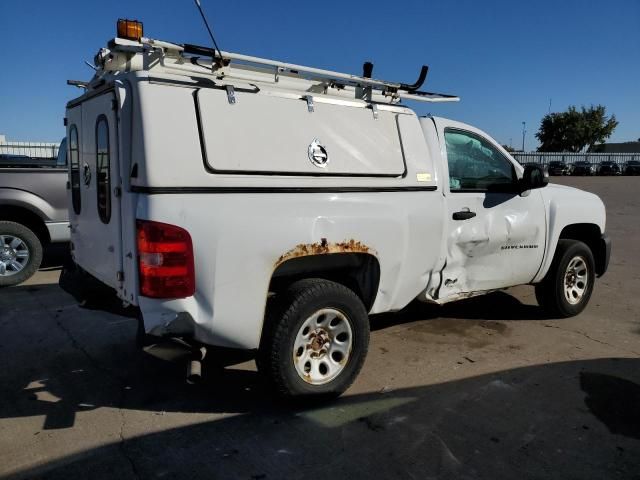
(120, 276)
(117, 192)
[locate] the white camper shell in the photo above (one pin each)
(249, 203)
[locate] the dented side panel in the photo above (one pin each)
(501, 246)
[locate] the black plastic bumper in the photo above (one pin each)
(603, 254)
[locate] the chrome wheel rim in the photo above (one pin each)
(576, 280)
(322, 346)
(14, 255)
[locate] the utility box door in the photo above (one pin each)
(263, 134)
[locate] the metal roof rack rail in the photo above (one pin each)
(387, 88)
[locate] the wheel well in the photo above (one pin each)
(591, 235)
(27, 218)
(359, 272)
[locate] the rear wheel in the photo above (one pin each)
(567, 287)
(20, 253)
(316, 339)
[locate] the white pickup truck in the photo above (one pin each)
(248, 203)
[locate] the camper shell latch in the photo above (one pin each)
(231, 94)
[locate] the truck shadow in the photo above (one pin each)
(74, 367)
(575, 419)
(55, 256)
(496, 306)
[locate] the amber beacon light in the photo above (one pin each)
(130, 29)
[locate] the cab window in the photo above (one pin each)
(475, 164)
(74, 169)
(103, 161)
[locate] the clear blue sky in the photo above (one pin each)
(506, 59)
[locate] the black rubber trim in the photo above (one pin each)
(197, 82)
(174, 190)
(602, 260)
(25, 169)
(210, 169)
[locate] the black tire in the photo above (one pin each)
(34, 247)
(285, 318)
(550, 293)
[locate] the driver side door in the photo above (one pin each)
(495, 235)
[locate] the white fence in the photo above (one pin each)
(40, 150)
(543, 158)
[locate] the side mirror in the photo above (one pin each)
(535, 176)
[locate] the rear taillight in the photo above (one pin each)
(165, 260)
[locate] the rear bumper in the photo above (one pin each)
(603, 254)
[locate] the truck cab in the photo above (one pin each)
(250, 203)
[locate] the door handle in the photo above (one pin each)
(463, 215)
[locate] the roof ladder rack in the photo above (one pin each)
(366, 83)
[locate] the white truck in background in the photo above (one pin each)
(254, 204)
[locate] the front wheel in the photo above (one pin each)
(567, 287)
(20, 253)
(315, 340)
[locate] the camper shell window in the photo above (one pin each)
(74, 169)
(103, 164)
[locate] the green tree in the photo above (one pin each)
(574, 130)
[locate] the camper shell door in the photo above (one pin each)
(95, 192)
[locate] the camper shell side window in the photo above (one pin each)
(74, 169)
(103, 164)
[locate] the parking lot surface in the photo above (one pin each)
(485, 388)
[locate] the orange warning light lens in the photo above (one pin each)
(129, 29)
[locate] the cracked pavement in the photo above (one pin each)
(485, 388)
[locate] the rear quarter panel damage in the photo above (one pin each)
(244, 237)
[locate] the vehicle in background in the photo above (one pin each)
(632, 167)
(532, 164)
(558, 168)
(582, 167)
(25, 161)
(33, 212)
(10, 160)
(608, 168)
